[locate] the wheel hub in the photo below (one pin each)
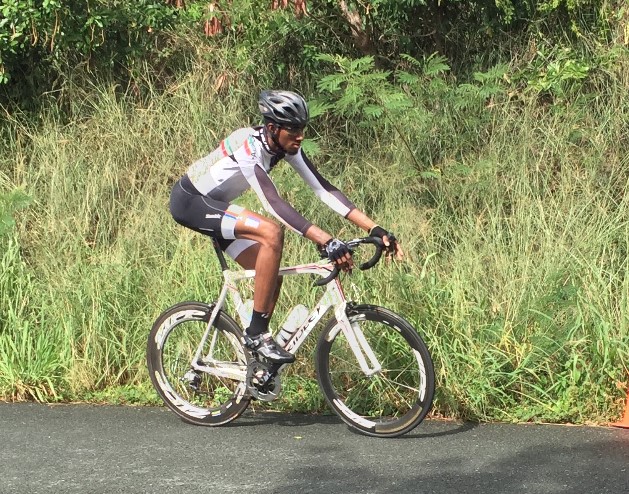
(193, 379)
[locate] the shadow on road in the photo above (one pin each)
(255, 419)
(477, 466)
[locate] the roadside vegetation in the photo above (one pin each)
(496, 147)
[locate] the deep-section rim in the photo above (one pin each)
(393, 428)
(195, 415)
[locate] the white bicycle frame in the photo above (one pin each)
(333, 297)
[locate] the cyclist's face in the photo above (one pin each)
(291, 138)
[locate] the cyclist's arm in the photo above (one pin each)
(363, 221)
(328, 194)
(266, 191)
(334, 198)
(263, 186)
(317, 235)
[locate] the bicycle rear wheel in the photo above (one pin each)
(212, 393)
(395, 399)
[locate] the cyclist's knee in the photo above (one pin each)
(272, 236)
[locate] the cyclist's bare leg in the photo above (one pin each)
(247, 259)
(270, 238)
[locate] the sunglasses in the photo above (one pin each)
(294, 131)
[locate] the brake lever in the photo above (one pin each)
(324, 281)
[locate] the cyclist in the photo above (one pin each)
(202, 201)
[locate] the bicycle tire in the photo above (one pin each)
(171, 346)
(393, 401)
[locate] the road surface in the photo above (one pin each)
(109, 449)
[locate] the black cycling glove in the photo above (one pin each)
(335, 249)
(379, 232)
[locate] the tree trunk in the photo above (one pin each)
(362, 36)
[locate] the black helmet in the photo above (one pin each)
(284, 108)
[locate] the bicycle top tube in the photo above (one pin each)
(319, 267)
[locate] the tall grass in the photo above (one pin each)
(516, 270)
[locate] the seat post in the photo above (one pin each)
(221, 256)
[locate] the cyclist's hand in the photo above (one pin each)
(391, 244)
(338, 252)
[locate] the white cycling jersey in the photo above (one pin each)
(244, 160)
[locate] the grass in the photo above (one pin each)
(516, 272)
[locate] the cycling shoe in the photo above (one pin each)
(265, 346)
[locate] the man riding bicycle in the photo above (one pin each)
(202, 201)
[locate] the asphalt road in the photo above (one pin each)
(105, 449)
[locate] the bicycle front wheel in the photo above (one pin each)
(213, 390)
(387, 402)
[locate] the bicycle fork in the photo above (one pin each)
(367, 360)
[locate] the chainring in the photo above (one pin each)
(262, 383)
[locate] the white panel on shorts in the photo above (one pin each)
(238, 246)
(229, 221)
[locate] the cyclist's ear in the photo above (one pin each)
(272, 127)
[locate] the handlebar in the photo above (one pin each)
(352, 244)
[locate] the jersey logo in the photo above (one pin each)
(250, 147)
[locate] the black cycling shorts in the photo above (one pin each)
(208, 216)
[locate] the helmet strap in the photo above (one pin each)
(275, 137)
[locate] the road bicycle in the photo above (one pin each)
(372, 366)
